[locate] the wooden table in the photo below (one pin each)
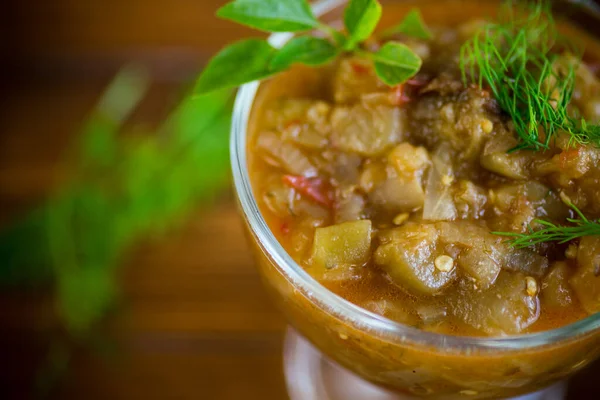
(194, 321)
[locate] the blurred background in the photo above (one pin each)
(188, 318)
(124, 272)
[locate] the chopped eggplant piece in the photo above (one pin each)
(508, 197)
(344, 245)
(304, 122)
(372, 175)
(409, 260)
(367, 131)
(586, 279)
(526, 261)
(497, 158)
(470, 200)
(409, 161)
(479, 265)
(398, 195)
(350, 206)
(503, 309)
(505, 164)
(438, 204)
(556, 292)
(459, 119)
(481, 253)
(286, 155)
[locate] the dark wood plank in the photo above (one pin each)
(194, 321)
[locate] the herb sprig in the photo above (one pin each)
(551, 232)
(255, 59)
(516, 58)
(122, 189)
(412, 25)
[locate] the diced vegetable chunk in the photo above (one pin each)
(505, 308)
(345, 244)
(366, 130)
(438, 204)
(470, 200)
(277, 196)
(409, 161)
(349, 206)
(556, 292)
(481, 253)
(398, 195)
(372, 175)
(526, 261)
(520, 204)
(285, 154)
(497, 158)
(480, 265)
(304, 122)
(469, 234)
(460, 119)
(507, 197)
(586, 280)
(355, 77)
(409, 260)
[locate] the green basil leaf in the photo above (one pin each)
(412, 25)
(271, 15)
(239, 63)
(361, 18)
(306, 50)
(395, 63)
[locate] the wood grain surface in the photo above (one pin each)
(194, 322)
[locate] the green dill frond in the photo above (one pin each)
(551, 232)
(515, 58)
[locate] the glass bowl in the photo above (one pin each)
(398, 357)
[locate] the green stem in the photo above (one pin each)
(337, 36)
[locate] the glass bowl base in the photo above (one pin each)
(311, 376)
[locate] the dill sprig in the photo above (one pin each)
(551, 232)
(515, 57)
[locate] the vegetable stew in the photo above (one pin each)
(403, 200)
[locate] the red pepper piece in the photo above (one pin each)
(316, 189)
(359, 69)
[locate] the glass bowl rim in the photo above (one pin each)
(334, 304)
